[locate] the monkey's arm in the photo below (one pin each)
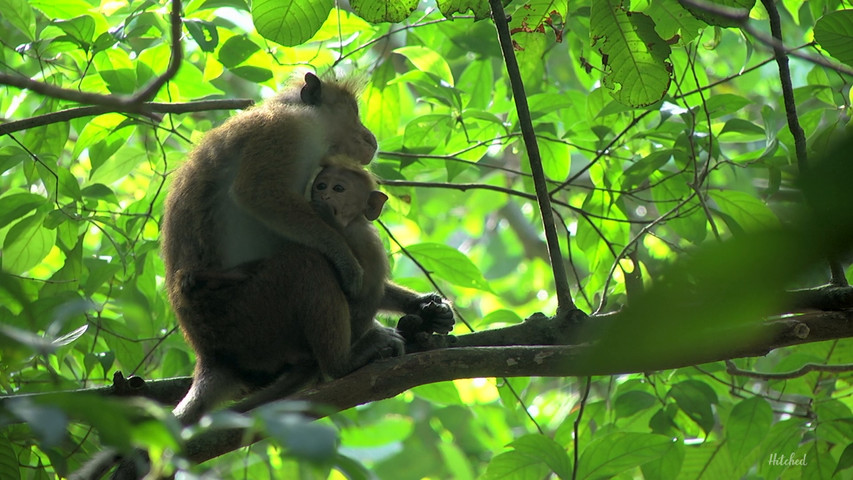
(272, 193)
(435, 311)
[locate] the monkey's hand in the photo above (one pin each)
(350, 271)
(436, 314)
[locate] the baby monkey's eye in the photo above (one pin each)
(320, 186)
(339, 188)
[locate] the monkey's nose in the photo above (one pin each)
(370, 139)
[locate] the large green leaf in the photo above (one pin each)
(27, 243)
(290, 22)
(376, 11)
(634, 57)
(609, 455)
(449, 264)
(834, 32)
(748, 425)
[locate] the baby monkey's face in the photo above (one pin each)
(348, 193)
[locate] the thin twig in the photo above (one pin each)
(149, 109)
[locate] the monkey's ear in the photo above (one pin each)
(375, 202)
(312, 91)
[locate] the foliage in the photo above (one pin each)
(662, 131)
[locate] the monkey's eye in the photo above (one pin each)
(320, 186)
(339, 188)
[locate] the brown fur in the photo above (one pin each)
(237, 210)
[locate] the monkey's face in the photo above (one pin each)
(348, 194)
(348, 135)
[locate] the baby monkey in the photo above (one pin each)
(346, 197)
(271, 326)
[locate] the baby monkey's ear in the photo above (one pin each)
(375, 202)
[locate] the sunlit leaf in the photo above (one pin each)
(375, 11)
(448, 264)
(290, 22)
(634, 57)
(19, 13)
(27, 243)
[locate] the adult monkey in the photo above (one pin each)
(241, 194)
(238, 211)
(239, 259)
(240, 199)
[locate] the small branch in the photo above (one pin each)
(737, 15)
(732, 369)
(149, 109)
(175, 59)
(118, 103)
(787, 85)
(561, 279)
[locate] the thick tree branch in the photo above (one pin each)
(388, 378)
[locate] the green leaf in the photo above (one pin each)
(81, 29)
(27, 243)
(117, 70)
(19, 13)
(747, 427)
(426, 133)
(609, 455)
(514, 465)
(846, 460)
(480, 8)
(633, 402)
(442, 393)
(376, 11)
(204, 33)
(427, 60)
(236, 50)
(747, 212)
(9, 466)
(634, 57)
(643, 168)
(739, 130)
(834, 33)
(16, 205)
(290, 22)
(556, 158)
(723, 21)
(378, 433)
(695, 398)
(725, 104)
(301, 437)
(449, 264)
(532, 456)
(382, 103)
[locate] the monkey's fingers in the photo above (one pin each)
(437, 317)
